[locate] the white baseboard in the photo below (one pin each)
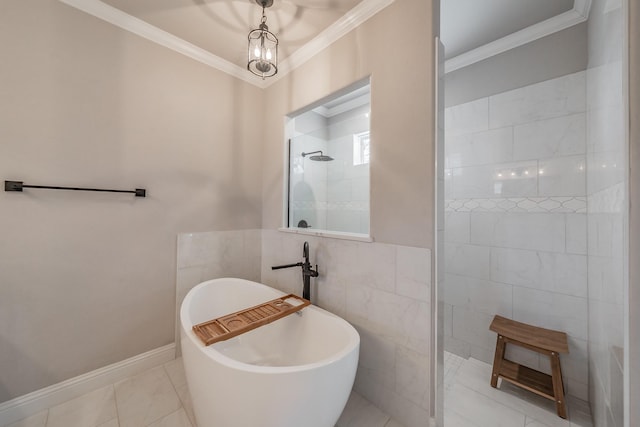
(32, 403)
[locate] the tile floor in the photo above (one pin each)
(159, 397)
(471, 402)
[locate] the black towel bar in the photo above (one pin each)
(18, 186)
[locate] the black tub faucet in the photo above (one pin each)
(307, 271)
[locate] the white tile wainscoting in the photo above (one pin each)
(516, 221)
(384, 290)
(209, 255)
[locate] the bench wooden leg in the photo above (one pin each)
(497, 360)
(558, 387)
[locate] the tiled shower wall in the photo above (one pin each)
(515, 221)
(383, 290)
(347, 183)
(308, 179)
(329, 195)
(607, 189)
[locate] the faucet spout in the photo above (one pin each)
(278, 267)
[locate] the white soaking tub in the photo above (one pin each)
(294, 372)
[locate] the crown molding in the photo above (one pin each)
(150, 32)
(578, 14)
(352, 19)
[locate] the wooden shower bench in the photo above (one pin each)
(544, 341)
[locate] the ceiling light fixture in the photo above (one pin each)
(263, 47)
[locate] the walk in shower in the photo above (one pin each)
(536, 215)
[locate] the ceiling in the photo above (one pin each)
(474, 30)
(221, 26)
(469, 24)
(215, 31)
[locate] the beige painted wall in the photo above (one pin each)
(88, 279)
(395, 47)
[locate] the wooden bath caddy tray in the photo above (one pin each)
(242, 321)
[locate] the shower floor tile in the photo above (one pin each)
(470, 401)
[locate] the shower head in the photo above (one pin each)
(320, 158)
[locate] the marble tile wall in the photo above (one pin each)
(607, 217)
(515, 221)
(528, 142)
(209, 255)
(384, 291)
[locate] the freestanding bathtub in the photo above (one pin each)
(294, 372)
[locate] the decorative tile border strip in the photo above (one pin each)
(519, 204)
(328, 206)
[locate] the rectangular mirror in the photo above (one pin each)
(329, 145)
